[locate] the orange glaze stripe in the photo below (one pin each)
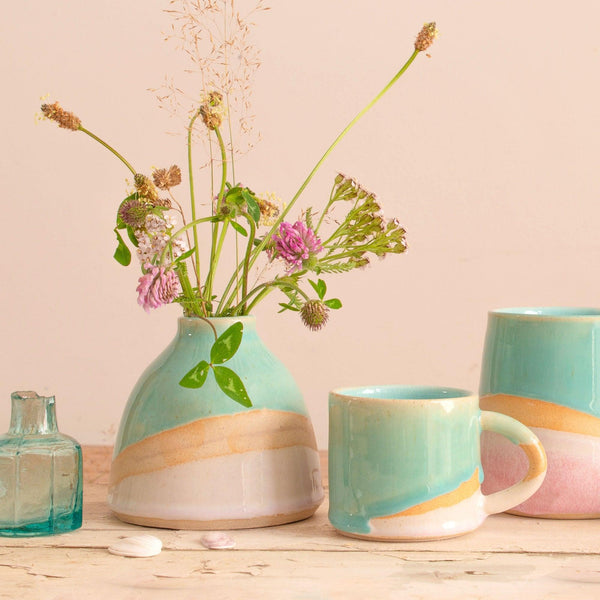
(539, 413)
(248, 431)
(462, 492)
(533, 451)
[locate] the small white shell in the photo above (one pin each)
(138, 546)
(218, 540)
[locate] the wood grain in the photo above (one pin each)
(508, 557)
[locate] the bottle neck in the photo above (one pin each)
(32, 414)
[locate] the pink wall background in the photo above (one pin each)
(487, 152)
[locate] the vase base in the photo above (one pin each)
(220, 524)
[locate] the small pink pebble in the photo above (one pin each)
(218, 540)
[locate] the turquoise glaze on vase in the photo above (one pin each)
(196, 459)
(541, 365)
(269, 383)
(404, 462)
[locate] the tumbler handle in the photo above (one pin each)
(518, 434)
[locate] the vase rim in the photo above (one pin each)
(548, 313)
(230, 318)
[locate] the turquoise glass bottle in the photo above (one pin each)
(41, 484)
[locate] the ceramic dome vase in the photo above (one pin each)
(196, 459)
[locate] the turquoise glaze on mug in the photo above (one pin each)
(389, 446)
(404, 462)
(542, 367)
(545, 353)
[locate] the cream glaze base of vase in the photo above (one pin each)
(266, 521)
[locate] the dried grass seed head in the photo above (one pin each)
(64, 118)
(212, 109)
(426, 37)
(165, 179)
(145, 187)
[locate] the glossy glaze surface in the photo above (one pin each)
(158, 402)
(404, 462)
(387, 455)
(549, 354)
(196, 459)
(540, 365)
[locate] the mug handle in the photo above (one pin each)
(518, 434)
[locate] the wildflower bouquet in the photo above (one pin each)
(152, 223)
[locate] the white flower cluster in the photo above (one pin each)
(153, 238)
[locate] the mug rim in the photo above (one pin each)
(408, 393)
(548, 313)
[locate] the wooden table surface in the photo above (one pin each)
(508, 557)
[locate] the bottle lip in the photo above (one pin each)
(32, 414)
(30, 395)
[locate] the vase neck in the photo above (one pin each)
(213, 325)
(32, 414)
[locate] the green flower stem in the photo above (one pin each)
(214, 329)
(227, 298)
(264, 289)
(273, 229)
(190, 225)
(224, 166)
(234, 279)
(108, 147)
(332, 199)
(345, 228)
(247, 256)
(190, 298)
(192, 198)
(339, 233)
(215, 250)
(357, 251)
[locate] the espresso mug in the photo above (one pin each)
(541, 365)
(404, 462)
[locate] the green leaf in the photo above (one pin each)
(122, 254)
(308, 218)
(320, 287)
(131, 236)
(253, 208)
(287, 307)
(227, 343)
(239, 228)
(334, 303)
(185, 255)
(195, 377)
(232, 385)
(234, 196)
